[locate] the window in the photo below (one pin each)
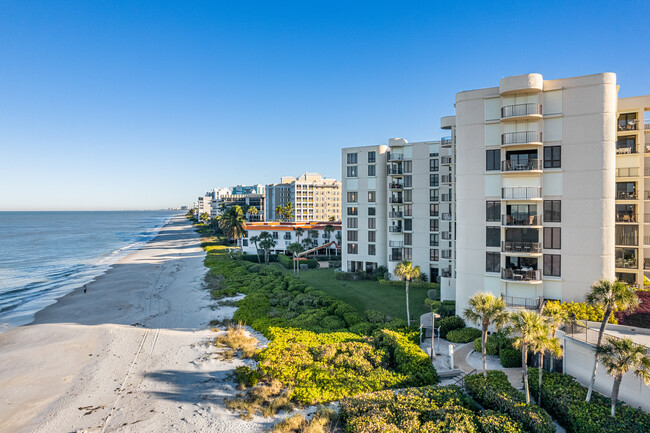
(627, 234)
(245, 242)
(552, 265)
(552, 211)
(353, 223)
(353, 248)
(352, 158)
(492, 210)
(353, 235)
(408, 254)
(408, 210)
(434, 239)
(552, 239)
(408, 166)
(434, 209)
(372, 236)
(408, 195)
(275, 235)
(353, 197)
(433, 255)
(371, 249)
(492, 160)
(372, 223)
(372, 196)
(372, 211)
(492, 236)
(434, 195)
(372, 156)
(352, 171)
(433, 180)
(353, 211)
(552, 157)
(408, 238)
(371, 170)
(408, 181)
(492, 262)
(434, 164)
(626, 257)
(408, 224)
(433, 225)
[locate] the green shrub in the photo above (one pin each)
(584, 311)
(406, 358)
(492, 345)
(402, 284)
(375, 316)
(510, 358)
(464, 335)
(498, 394)
(287, 262)
(363, 328)
(253, 257)
(496, 422)
(246, 376)
(564, 398)
(449, 324)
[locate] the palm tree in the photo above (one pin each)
(619, 357)
(329, 228)
(287, 213)
(205, 217)
(255, 240)
(278, 211)
(485, 310)
(307, 243)
(531, 328)
(299, 231)
(556, 317)
(266, 243)
(295, 248)
(332, 218)
(252, 211)
(406, 270)
(541, 345)
(610, 296)
(232, 222)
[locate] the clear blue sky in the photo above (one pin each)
(136, 104)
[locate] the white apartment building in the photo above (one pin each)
(203, 204)
(284, 234)
(215, 203)
(314, 198)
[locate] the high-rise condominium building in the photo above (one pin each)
(398, 205)
(314, 198)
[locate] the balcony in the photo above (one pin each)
(526, 137)
(521, 274)
(626, 195)
(520, 166)
(395, 258)
(395, 200)
(521, 247)
(629, 263)
(446, 236)
(625, 217)
(395, 229)
(521, 111)
(521, 193)
(628, 124)
(395, 214)
(646, 126)
(530, 220)
(446, 178)
(395, 171)
(445, 160)
(396, 244)
(527, 303)
(395, 156)
(446, 217)
(446, 141)
(446, 254)
(396, 186)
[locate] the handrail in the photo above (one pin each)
(520, 110)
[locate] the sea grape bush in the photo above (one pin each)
(584, 311)
(464, 335)
(449, 324)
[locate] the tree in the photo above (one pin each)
(299, 231)
(619, 357)
(610, 296)
(266, 243)
(332, 218)
(295, 248)
(255, 240)
(232, 221)
(433, 305)
(307, 243)
(406, 270)
(287, 212)
(485, 310)
(205, 217)
(329, 228)
(542, 345)
(252, 211)
(531, 328)
(556, 316)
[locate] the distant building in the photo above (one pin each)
(215, 203)
(284, 234)
(258, 201)
(314, 198)
(248, 189)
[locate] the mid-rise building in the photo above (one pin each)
(323, 234)
(314, 198)
(248, 189)
(215, 203)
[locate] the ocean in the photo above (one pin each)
(44, 255)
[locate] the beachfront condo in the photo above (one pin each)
(318, 236)
(313, 197)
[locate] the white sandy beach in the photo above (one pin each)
(130, 355)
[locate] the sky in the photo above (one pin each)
(148, 104)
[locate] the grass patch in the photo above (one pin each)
(237, 341)
(323, 421)
(369, 295)
(266, 399)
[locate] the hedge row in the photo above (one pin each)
(496, 393)
(407, 358)
(287, 262)
(464, 335)
(450, 324)
(564, 398)
(401, 283)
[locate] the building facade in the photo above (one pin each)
(314, 198)
(314, 234)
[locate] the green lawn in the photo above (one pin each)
(369, 295)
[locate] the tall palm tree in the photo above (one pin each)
(266, 243)
(610, 296)
(299, 231)
(295, 248)
(619, 357)
(531, 328)
(255, 240)
(278, 211)
(232, 222)
(329, 228)
(540, 346)
(406, 270)
(205, 217)
(556, 316)
(287, 213)
(484, 309)
(253, 211)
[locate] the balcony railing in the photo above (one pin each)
(521, 247)
(445, 254)
(625, 149)
(395, 156)
(530, 220)
(521, 137)
(629, 172)
(445, 160)
(395, 170)
(445, 273)
(395, 257)
(521, 275)
(445, 178)
(395, 214)
(396, 243)
(531, 164)
(626, 195)
(445, 197)
(395, 200)
(396, 186)
(446, 217)
(625, 218)
(647, 126)
(521, 192)
(446, 236)
(627, 263)
(395, 229)
(446, 141)
(520, 110)
(627, 125)
(527, 303)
